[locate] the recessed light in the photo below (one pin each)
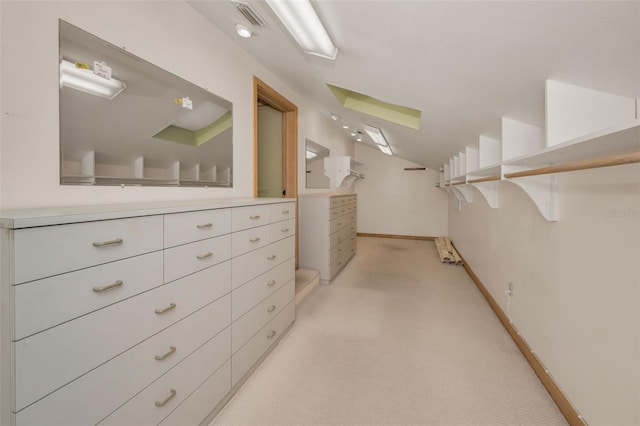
(336, 117)
(353, 133)
(359, 139)
(243, 31)
(344, 126)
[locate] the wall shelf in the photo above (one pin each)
(585, 129)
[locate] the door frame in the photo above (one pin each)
(263, 93)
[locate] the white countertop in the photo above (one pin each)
(28, 218)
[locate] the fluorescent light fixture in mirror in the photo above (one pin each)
(85, 80)
(301, 20)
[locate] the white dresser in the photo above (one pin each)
(327, 228)
(140, 315)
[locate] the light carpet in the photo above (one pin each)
(398, 338)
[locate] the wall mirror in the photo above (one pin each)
(315, 155)
(125, 121)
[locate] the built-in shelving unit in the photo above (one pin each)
(347, 170)
(585, 129)
(90, 171)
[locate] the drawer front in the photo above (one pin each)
(335, 213)
(250, 239)
(200, 403)
(249, 217)
(51, 250)
(189, 258)
(249, 324)
(246, 357)
(160, 398)
(50, 359)
(335, 225)
(252, 264)
(51, 301)
(183, 228)
(282, 211)
(282, 230)
(334, 239)
(335, 202)
(76, 403)
(336, 266)
(334, 252)
(250, 294)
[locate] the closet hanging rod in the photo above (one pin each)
(612, 160)
(484, 179)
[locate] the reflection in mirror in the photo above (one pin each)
(315, 154)
(125, 121)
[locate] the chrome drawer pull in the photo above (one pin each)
(270, 335)
(172, 349)
(204, 256)
(254, 217)
(255, 240)
(204, 226)
(108, 243)
(271, 283)
(273, 256)
(285, 230)
(163, 310)
(271, 308)
(167, 399)
(107, 287)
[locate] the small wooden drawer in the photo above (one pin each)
(250, 265)
(51, 301)
(335, 251)
(282, 230)
(160, 398)
(250, 239)
(335, 202)
(249, 217)
(76, 403)
(248, 325)
(335, 213)
(189, 258)
(244, 359)
(183, 228)
(51, 250)
(334, 239)
(282, 211)
(336, 225)
(250, 294)
(52, 358)
(200, 403)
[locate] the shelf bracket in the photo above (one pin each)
(464, 192)
(489, 191)
(543, 191)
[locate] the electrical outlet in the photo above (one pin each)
(511, 289)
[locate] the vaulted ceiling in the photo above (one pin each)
(463, 64)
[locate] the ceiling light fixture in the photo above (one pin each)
(376, 136)
(344, 126)
(243, 31)
(85, 80)
(336, 117)
(304, 25)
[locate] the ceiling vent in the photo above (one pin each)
(250, 14)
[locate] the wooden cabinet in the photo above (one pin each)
(328, 226)
(126, 316)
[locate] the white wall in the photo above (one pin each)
(394, 201)
(169, 34)
(576, 282)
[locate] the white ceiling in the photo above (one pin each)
(463, 64)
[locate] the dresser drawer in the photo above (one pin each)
(282, 211)
(251, 352)
(250, 239)
(334, 239)
(76, 403)
(159, 399)
(282, 230)
(252, 264)
(54, 357)
(51, 301)
(200, 403)
(189, 258)
(335, 202)
(182, 228)
(250, 294)
(249, 217)
(248, 325)
(51, 250)
(335, 225)
(334, 252)
(335, 213)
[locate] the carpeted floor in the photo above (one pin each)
(397, 338)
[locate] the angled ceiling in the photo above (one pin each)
(464, 65)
